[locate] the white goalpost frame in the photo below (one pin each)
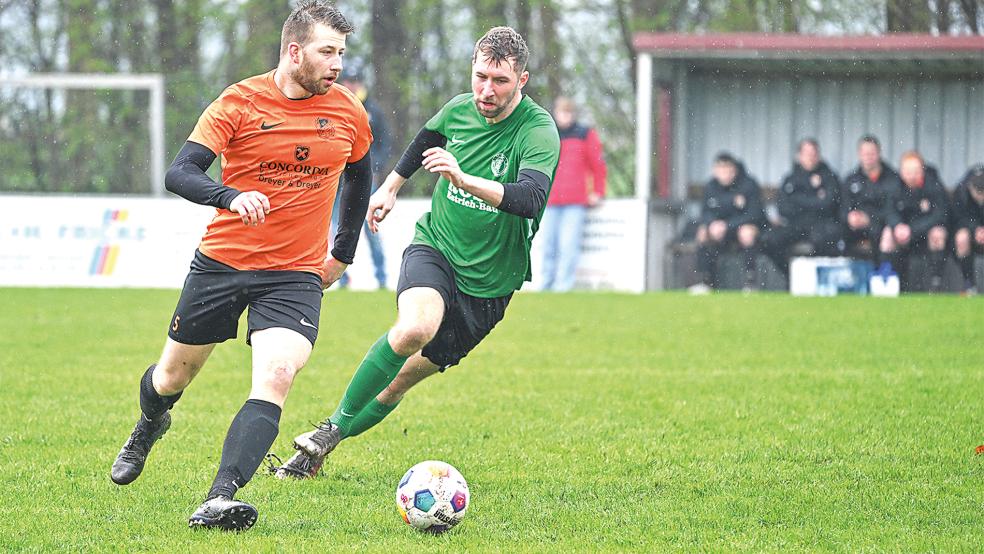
(152, 82)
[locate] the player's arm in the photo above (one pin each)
(352, 205)
(186, 177)
(524, 198)
(384, 199)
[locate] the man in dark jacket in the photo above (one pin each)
(967, 223)
(863, 197)
(915, 219)
(808, 202)
(732, 215)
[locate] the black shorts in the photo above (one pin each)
(215, 295)
(467, 319)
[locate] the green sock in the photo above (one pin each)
(376, 371)
(372, 414)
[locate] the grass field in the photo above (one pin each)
(585, 422)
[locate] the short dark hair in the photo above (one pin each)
(305, 16)
(502, 43)
(725, 158)
(870, 139)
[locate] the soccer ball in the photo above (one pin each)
(432, 497)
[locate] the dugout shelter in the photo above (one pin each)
(756, 95)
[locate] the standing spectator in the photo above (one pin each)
(579, 185)
(915, 219)
(732, 214)
(968, 224)
(808, 202)
(863, 197)
(354, 79)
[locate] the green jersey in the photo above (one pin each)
(488, 248)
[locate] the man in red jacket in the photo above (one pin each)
(579, 185)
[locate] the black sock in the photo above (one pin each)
(152, 404)
(250, 436)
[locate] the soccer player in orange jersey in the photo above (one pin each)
(284, 138)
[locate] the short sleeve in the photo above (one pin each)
(541, 150)
(363, 134)
(220, 121)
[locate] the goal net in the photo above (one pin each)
(82, 133)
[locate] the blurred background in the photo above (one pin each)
(416, 51)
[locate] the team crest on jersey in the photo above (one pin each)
(326, 129)
(499, 164)
(301, 153)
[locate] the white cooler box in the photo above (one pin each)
(829, 276)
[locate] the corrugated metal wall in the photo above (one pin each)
(760, 117)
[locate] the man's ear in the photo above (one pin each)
(524, 78)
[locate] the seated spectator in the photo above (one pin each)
(915, 219)
(731, 215)
(863, 197)
(807, 203)
(967, 216)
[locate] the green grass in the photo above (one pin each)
(584, 423)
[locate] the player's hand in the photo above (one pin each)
(251, 206)
(380, 205)
(439, 160)
(902, 233)
(594, 200)
(332, 271)
(979, 235)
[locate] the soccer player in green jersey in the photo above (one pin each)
(496, 152)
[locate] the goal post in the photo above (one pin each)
(151, 82)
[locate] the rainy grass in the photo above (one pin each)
(584, 423)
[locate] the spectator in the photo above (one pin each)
(578, 185)
(808, 202)
(863, 197)
(968, 224)
(915, 220)
(731, 214)
(354, 79)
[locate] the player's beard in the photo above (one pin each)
(307, 76)
(494, 113)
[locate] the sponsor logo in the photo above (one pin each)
(295, 168)
(326, 129)
(114, 227)
(468, 200)
(177, 321)
(499, 164)
(456, 141)
(266, 127)
(301, 153)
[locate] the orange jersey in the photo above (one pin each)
(293, 151)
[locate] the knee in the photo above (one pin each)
(172, 377)
(279, 375)
(937, 238)
(409, 337)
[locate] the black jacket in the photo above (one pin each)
(965, 212)
(809, 197)
(737, 204)
(861, 193)
(921, 208)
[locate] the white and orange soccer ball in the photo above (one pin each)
(432, 497)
